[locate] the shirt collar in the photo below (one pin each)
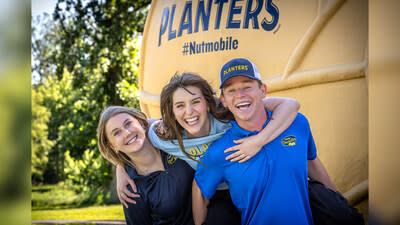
(133, 174)
(238, 131)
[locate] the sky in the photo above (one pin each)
(41, 6)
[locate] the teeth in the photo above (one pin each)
(132, 140)
(192, 120)
(243, 105)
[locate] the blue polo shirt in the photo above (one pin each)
(270, 188)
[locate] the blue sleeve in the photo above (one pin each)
(209, 175)
(311, 149)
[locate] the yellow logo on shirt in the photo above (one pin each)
(289, 140)
(171, 159)
(198, 151)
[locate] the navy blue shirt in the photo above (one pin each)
(165, 196)
(271, 187)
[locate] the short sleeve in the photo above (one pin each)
(311, 149)
(209, 175)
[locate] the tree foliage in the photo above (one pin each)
(88, 173)
(85, 59)
(40, 143)
(100, 32)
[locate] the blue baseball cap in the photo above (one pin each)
(239, 67)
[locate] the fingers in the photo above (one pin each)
(240, 141)
(126, 192)
(240, 157)
(245, 159)
(124, 200)
(233, 155)
(133, 185)
(233, 148)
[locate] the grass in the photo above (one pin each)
(109, 212)
(58, 202)
(54, 196)
(59, 196)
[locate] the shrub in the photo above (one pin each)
(89, 173)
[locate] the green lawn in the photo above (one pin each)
(108, 212)
(54, 197)
(58, 202)
(60, 196)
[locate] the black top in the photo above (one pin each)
(165, 196)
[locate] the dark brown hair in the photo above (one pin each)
(173, 128)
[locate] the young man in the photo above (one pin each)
(270, 188)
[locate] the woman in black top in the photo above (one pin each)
(163, 181)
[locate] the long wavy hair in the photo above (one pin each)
(173, 128)
(116, 157)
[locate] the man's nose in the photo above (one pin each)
(240, 92)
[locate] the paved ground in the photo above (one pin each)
(75, 222)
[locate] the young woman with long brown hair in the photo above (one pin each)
(192, 121)
(163, 181)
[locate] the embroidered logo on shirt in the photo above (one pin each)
(289, 140)
(171, 159)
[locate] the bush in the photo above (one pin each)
(87, 174)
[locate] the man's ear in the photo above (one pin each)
(221, 97)
(264, 89)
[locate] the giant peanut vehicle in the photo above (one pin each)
(312, 50)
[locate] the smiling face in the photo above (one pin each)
(125, 133)
(243, 97)
(190, 111)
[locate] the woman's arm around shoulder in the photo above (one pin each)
(123, 180)
(284, 112)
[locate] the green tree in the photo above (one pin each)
(100, 32)
(85, 58)
(40, 144)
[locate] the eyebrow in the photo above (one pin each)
(190, 100)
(117, 127)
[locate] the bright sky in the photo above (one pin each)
(41, 6)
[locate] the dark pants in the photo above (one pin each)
(221, 210)
(331, 208)
(327, 207)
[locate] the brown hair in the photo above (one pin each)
(116, 157)
(173, 128)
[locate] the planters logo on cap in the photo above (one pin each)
(239, 67)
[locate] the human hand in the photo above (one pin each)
(245, 149)
(124, 195)
(160, 129)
